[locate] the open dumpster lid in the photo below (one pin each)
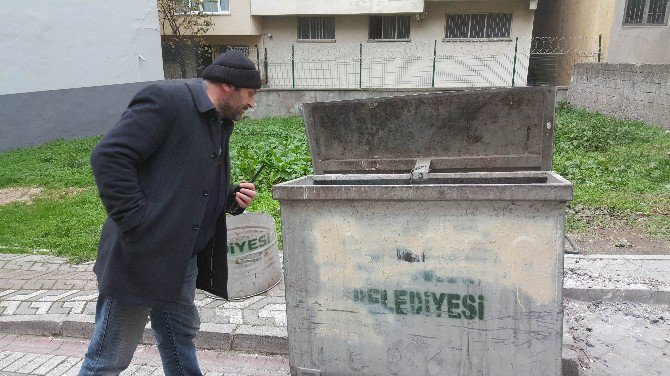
(506, 129)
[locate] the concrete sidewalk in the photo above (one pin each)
(616, 315)
(44, 295)
(616, 297)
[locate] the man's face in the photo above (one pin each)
(237, 101)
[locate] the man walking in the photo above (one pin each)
(163, 174)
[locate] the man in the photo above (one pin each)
(163, 174)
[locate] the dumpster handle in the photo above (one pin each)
(420, 170)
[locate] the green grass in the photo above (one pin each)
(620, 171)
(278, 142)
(281, 144)
(68, 225)
(54, 165)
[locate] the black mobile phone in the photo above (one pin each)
(235, 206)
(253, 178)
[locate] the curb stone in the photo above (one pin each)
(258, 340)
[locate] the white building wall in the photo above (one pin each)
(425, 61)
(295, 7)
(637, 44)
(49, 45)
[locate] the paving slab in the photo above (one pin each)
(259, 322)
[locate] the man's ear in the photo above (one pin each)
(227, 88)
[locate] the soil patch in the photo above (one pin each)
(67, 192)
(10, 195)
(619, 240)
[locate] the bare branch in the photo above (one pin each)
(184, 17)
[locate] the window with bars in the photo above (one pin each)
(646, 12)
(478, 26)
(389, 28)
(316, 28)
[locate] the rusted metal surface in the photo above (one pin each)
(474, 130)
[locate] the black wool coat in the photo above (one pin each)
(153, 170)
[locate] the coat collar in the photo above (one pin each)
(202, 101)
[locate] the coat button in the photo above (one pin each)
(195, 227)
(204, 192)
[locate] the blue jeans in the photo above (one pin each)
(119, 328)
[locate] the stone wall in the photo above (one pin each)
(625, 91)
(29, 119)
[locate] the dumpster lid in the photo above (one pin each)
(502, 129)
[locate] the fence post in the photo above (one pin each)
(293, 65)
(434, 57)
(360, 66)
(265, 63)
(258, 58)
(516, 47)
(600, 46)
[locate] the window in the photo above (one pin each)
(316, 28)
(389, 28)
(646, 12)
(478, 26)
(216, 6)
(209, 6)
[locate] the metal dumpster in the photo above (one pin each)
(430, 239)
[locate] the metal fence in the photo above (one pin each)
(552, 59)
(432, 64)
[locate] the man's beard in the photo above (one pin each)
(229, 112)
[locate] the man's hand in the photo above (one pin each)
(246, 194)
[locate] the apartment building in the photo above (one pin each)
(627, 31)
(378, 43)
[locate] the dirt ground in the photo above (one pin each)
(9, 195)
(619, 241)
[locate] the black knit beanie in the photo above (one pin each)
(235, 69)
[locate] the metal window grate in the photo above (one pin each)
(316, 28)
(457, 26)
(389, 27)
(478, 26)
(657, 11)
(498, 25)
(635, 11)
